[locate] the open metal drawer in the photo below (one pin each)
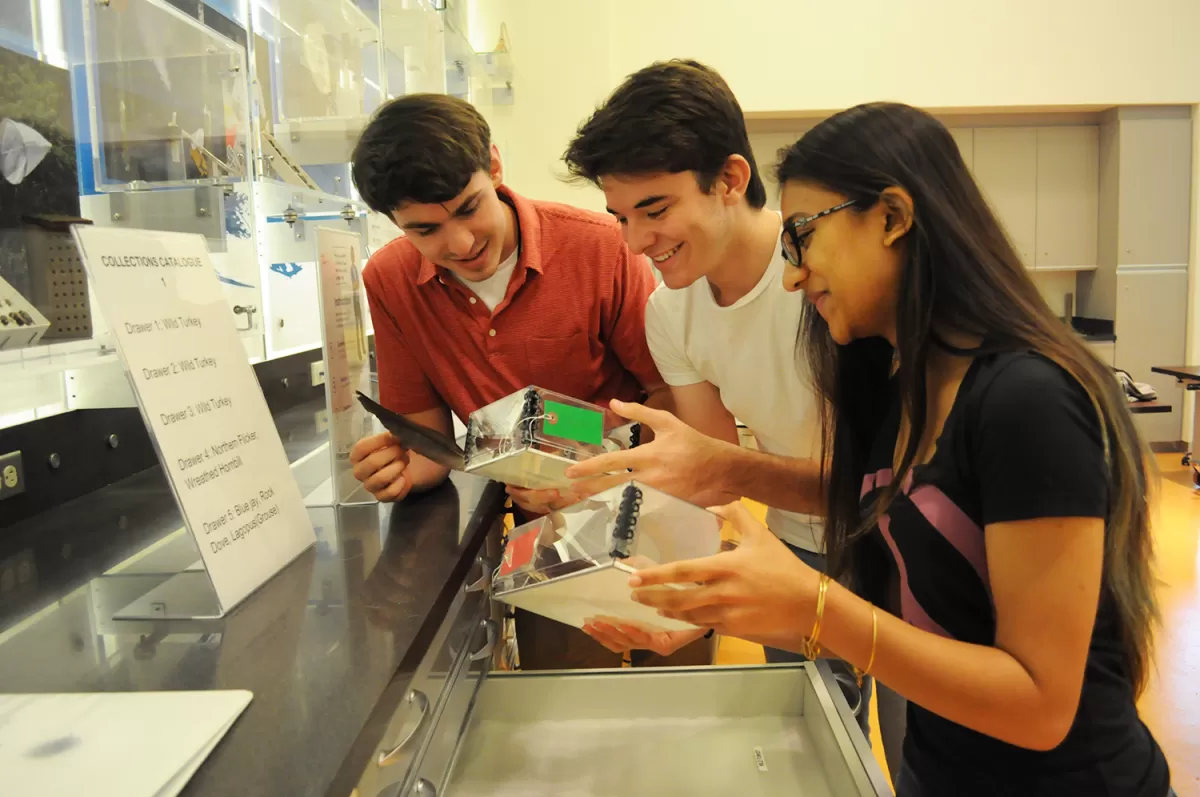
(779, 729)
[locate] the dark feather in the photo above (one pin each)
(428, 443)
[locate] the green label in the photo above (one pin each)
(574, 423)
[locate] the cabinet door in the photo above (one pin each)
(965, 138)
(1068, 196)
(1152, 330)
(1005, 164)
(1156, 189)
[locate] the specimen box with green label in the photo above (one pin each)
(530, 438)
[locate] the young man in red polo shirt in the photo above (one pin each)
(486, 293)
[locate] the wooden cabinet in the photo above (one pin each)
(1067, 197)
(1005, 166)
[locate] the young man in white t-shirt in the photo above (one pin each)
(670, 150)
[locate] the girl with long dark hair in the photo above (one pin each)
(979, 459)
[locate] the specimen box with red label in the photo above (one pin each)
(574, 565)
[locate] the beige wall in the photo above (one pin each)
(1193, 322)
(561, 68)
(789, 54)
(803, 55)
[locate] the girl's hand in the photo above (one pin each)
(623, 637)
(760, 592)
(536, 503)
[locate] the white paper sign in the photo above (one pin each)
(347, 358)
(202, 403)
(111, 744)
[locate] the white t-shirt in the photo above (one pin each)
(492, 290)
(748, 351)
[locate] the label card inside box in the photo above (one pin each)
(574, 423)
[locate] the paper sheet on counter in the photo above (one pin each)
(111, 744)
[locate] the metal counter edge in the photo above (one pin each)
(488, 512)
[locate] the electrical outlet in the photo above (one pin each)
(318, 373)
(12, 475)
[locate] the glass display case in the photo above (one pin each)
(42, 133)
(318, 72)
(316, 78)
(168, 107)
(483, 79)
(414, 48)
(287, 218)
(234, 121)
(167, 96)
(34, 28)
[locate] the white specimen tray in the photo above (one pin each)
(602, 591)
(526, 468)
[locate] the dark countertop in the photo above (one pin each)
(319, 645)
(1185, 372)
(1149, 407)
(50, 554)
(1094, 330)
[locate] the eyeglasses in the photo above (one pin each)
(796, 232)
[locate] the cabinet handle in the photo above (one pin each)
(492, 629)
(423, 788)
(421, 703)
(484, 583)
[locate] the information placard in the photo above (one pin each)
(347, 359)
(202, 403)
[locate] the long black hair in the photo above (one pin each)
(961, 276)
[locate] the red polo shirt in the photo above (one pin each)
(573, 319)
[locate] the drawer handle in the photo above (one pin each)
(421, 702)
(492, 628)
(423, 788)
(484, 583)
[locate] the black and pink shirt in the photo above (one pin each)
(1022, 441)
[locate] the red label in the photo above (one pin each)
(518, 552)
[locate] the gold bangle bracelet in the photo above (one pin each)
(813, 648)
(874, 641)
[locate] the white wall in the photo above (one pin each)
(817, 54)
(788, 56)
(1193, 339)
(560, 53)
(806, 55)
